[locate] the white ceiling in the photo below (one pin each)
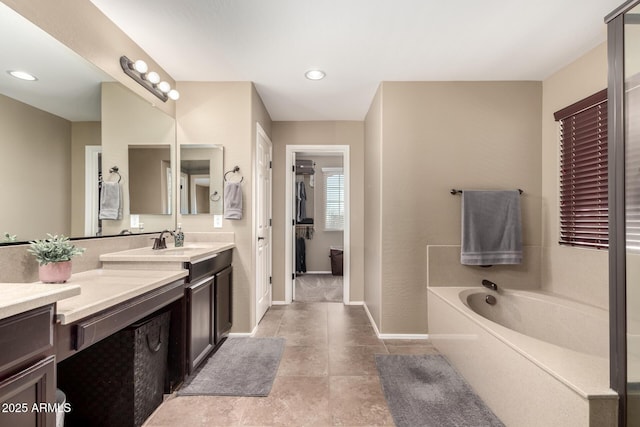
(359, 43)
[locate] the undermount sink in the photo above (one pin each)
(190, 252)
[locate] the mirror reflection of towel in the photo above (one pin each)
(110, 201)
(232, 200)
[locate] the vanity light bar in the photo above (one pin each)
(139, 72)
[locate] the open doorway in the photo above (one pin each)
(317, 243)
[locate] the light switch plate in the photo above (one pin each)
(135, 221)
(217, 221)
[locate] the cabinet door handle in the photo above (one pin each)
(260, 238)
(157, 347)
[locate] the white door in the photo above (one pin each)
(263, 224)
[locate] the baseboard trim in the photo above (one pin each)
(241, 334)
(403, 336)
(375, 327)
(392, 336)
(355, 303)
(279, 303)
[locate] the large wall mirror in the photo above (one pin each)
(60, 133)
(200, 180)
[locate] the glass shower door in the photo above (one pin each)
(632, 208)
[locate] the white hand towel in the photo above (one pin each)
(110, 201)
(232, 200)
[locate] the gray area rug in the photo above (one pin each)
(240, 367)
(424, 390)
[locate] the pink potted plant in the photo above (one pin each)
(54, 257)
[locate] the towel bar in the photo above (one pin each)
(454, 191)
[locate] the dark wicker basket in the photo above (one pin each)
(118, 381)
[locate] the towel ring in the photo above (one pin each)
(115, 170)
(234, 170)
(215, 196)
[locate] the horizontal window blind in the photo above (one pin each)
(334, 199)
(584, 208)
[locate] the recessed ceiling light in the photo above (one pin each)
(315, 74)
(22, 75)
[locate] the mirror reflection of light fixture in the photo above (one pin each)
(22, 75)
(139, 71)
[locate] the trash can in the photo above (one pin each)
(118, 381)
(336, 255)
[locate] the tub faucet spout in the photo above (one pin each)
(489, 284)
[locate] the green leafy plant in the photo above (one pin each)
(7, 238)
(54, 249)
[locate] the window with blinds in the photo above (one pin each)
(583, 173)
(334, 199)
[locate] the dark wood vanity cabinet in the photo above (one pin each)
(209, 306)
(27, 369)
(223, 303)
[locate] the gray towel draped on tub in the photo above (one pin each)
(232, 200)
(491, 228)
(110, 201)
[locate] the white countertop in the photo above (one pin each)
(102, 289)
(92, 291)
(20, 297)
(190, 252)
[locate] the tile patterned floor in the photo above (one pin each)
(327, 375)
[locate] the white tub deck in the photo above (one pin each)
(525, 381)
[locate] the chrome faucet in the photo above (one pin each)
(159, 242)
(489, 284)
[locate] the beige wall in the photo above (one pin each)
(226, 114)
(82, 135)
(35, 176)
(581, 274)
(373, 208)
(437, 136)
(319, 133)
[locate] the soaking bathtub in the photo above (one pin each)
(534, 358)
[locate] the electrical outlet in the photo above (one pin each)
(217, 221)
(135, 221)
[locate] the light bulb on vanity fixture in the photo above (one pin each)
(164, 87)
(150, 80)
(153, 77)
(140, 66)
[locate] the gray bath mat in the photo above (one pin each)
(424, 390)
(240, 367)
